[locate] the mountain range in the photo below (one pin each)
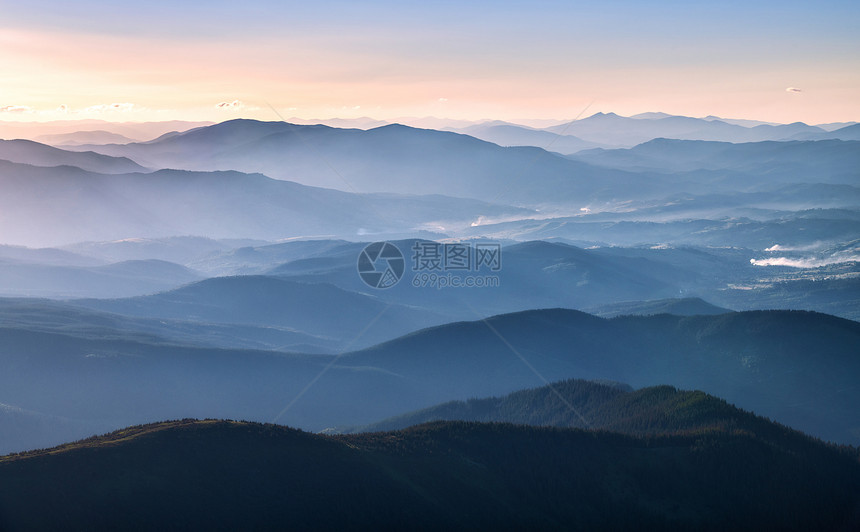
(393, 159)
(675, 191)
(612, 129)
(79, 130)
(102, 372)
(36, 154)
(171, 278)
(317, 309)
(217, 204)
(122, 279)
(210, 270)
(781, 162)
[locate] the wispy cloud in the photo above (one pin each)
(809, 247)
(109, 107)
(793, 89)
(16, 109)
(234, 105)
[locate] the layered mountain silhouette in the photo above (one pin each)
(122, 279)
(392, 158)
(826, 161)
(84, 137)
(612, 129)
(771, 363)
(185, 250)
(67, 318)
(532, 275)
(139, 131)
(216, 204)
(507, 134)
(684, 192)
(211, 271)
(753, 359)
(804, 228)
(47, 256)
(317, 309)
(36, 154)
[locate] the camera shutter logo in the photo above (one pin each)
(381, 265)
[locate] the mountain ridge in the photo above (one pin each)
(37, 154)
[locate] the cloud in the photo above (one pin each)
(805, 263)
(109, 107)
(810, 247)
(793, 89)
(443, 100)
(16, 109)
(235, 104)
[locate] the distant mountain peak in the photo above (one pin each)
(652, 116)
(606, 115)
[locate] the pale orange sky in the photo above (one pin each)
(502, 60)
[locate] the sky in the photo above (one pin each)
(774, 61)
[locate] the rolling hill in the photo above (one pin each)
(50, 316)
(346, 318)
(122, 279)
(771, 363)
(692, 306)
(598, 406)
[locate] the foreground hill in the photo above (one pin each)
(229, 475)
